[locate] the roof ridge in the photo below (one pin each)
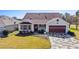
(41, 15)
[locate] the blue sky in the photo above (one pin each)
(21, 13)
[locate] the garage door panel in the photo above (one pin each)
(57, 28)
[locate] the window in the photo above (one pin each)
(42, 25)
(23, 27)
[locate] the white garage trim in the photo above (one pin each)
(58, 22)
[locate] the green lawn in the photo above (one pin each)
(28, 42)
(73, 29)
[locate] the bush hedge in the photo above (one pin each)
(41, 31)
(71, 33)
(5, 33)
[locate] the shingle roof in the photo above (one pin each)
(5, 20)
(47, 16)
(2, 23)
(41, 18)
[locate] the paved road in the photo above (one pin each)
(64, 43)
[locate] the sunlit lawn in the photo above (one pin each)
(17, 42)
(73, 29)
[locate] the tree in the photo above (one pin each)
(67, 17)
(14, 17)
(77, 15)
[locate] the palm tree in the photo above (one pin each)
(77, 15)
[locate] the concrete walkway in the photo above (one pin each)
(64, 43)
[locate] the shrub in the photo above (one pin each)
(20, 32)
(41, 31)
(16, 29)
(24, 33)
(5, 32)
(31, 32)
(71, 33)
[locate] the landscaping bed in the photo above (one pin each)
(22, 33)
(73, 29)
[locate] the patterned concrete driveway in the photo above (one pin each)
(64, 43)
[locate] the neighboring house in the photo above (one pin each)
(7, 23)
(73, 19)
(50, 22)
(2, 26)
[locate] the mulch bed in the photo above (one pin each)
(24, 34)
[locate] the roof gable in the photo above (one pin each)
(57, 21)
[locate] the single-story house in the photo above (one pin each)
(8, 23)
(49, 22)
